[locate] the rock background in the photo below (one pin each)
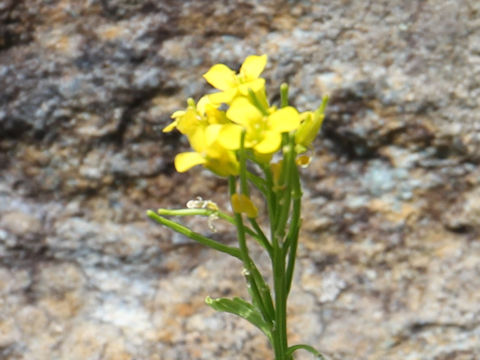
(389, 256)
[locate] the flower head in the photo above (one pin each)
(201, 124)
(231, 84)
(208, 152)
(216, 125)
(263, 131)
(196, 115)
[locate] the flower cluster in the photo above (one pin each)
(239, 115)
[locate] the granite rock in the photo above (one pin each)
(389, 250)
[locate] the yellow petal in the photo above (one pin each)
(230, 136)
(242, 204)
(215, 116)
(243, 112)
(202, 104)
(263, 158)
(170, 126)
(216, 154)
(224, 164)
(224, 96)
(177, 114)
(221, 77)
(270, 143)
(187, 160)
(198, 139)
(285, 119)
(188, 123)
(253, 66)
(212, 133)
(256, 85)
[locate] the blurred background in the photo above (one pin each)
(389, 254)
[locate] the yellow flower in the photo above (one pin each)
(208, 152)
(231, 84)
(215, 134)
(185, 121)
(242, 204)
(196, 115)
(263, 132)
(201, 123)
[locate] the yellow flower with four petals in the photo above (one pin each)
(231, 85)
(263, 132)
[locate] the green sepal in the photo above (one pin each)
(308, 348)
(300, 149)
(243, 309)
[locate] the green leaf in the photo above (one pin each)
(308, 348)
(243, 309)
(235, 252)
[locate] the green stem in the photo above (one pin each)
(258, 288)
(259, 183)
(249, 267)
(261, 237)
(271, 199)
(279, 333)
(282, 273)
(294, 230)
(242, 159)
(286, 196)
(235, 252)
(264, 290)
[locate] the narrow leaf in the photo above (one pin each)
(235, 252)
(243, 309)
(308, 348)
